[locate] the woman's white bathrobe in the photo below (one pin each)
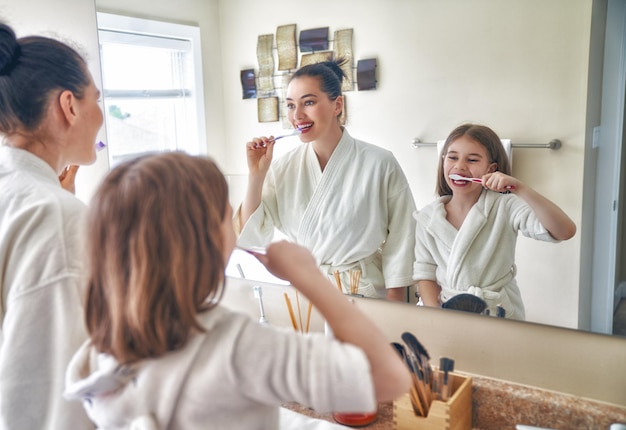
(359, 204)
(233, 376)
(480, 257)
(42, 286)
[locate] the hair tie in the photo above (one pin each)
(8, 67)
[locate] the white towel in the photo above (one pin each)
(505, 142)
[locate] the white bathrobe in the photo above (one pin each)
(480, 257)
(356, 214)
(42, 286)
(233, 376)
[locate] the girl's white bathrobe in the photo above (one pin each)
(479, 258)
(356, 214)
(235, 375)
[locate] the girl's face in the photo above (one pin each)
(310, 109)
(468, 158)
(228, 234)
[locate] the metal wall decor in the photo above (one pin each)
(265, 57)
(366, 74)
(286, 47)
(269, 84)
(267, 108)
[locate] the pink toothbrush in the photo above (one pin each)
(456, 177)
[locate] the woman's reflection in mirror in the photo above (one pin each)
(346, 200)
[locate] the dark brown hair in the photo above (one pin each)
(32, 70)
(328, 73)
(482, 135)
(155, 253)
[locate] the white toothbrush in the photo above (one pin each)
(456, 177)
(258, 293)
(293, 133)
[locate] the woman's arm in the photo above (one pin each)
(259, 154)
(296, 264)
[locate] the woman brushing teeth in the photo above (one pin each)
(346, 200)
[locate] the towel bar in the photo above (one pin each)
(553, 144)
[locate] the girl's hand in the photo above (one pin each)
(288, 261)
(259, 153)
(498, 181)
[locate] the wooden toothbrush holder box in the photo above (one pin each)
(455, 414)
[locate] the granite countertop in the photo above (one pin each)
(383, 422)
(498, 405)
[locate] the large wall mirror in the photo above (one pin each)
(530, 69)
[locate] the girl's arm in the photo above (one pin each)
(259, 154)
(295, 264)
(429, 293)
(559, 225)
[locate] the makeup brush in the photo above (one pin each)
(466, 302)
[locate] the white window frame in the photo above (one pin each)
(191, 34)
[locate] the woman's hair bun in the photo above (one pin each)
(9, 49)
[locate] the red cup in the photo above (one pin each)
(355, 419)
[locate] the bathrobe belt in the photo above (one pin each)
(362, 263)
(487, 292)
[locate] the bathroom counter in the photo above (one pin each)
(383, 422)
(499, 404)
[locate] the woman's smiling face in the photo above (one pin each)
(310, 109)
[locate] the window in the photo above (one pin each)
(152, 86)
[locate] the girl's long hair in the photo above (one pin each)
(155, 253)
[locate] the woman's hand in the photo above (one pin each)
(68, 178)
(259, 153)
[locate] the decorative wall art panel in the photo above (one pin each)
(286, 47)
(343, 49)
(316, 57)
(313, 40)
(265, 81)
(366, 74)
(284, 83)
(248, 84)
(343, 118)
(268, 109)
(313, 46)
